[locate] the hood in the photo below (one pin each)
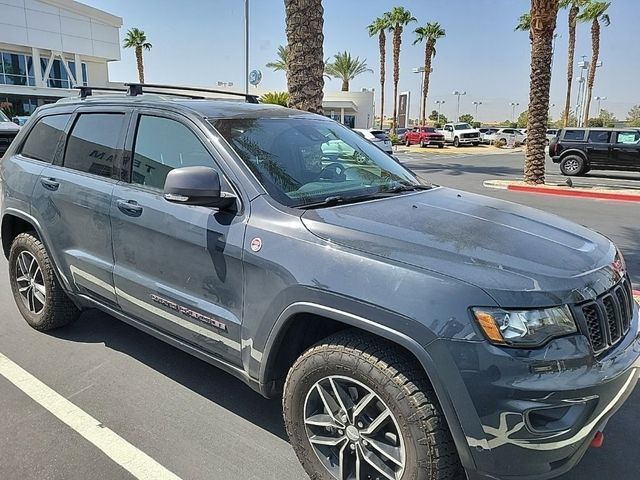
(8, 127)
(520, 256)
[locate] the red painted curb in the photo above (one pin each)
(575, 193)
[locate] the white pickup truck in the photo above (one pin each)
(461, 134)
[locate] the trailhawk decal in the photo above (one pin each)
(188, 312)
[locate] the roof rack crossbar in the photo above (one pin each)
(87, 90)
(137, 89)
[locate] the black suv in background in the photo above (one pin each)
(579, 150)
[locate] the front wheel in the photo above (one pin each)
(475, 144)
(440, 145)
(407, 143)
(572, 165)
(357, 408)
(36, 290)
(456, 142)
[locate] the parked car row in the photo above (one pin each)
(8, 131)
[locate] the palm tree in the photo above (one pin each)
(346, 68)
(543, 25)
(594, 12)
(305, 61)
(574, 10)
(524, 24)
(137, 39)
(379, 27)
(283, 60)
(430, 33)
(398, 18)
(275, 98)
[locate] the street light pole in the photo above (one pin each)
(599, 99)
(420, 70)
(458, 94)
(477, 104)
(513, 110)
(439, 103)
(246, 47)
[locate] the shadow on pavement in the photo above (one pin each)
(200, 377)
(466, 168)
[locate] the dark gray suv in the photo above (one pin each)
(413, 331)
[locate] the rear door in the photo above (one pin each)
(73, 197)
(178, 267)
(625, 150)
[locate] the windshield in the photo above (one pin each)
(462, 126)
(3, 117)
(302, 161)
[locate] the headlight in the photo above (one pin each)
(524, 328)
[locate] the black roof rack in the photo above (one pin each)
(135, 89)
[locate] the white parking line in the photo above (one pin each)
(136, 462)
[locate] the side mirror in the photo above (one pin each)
(16, 121)
(196, 186)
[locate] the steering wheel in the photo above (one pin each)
(333, 171)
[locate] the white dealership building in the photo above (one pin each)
(47, 46)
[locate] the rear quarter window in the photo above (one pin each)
(43, 138)
(574, 135)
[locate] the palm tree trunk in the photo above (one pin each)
(543, 24)
(305, 73)
(140, 64)
(382, 40)
(397, 41)
(573, 14)
(345, 85)
(427, 72)
(591, 78)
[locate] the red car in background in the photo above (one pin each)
(424, 136)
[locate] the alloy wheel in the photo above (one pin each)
(572, 165)
(352, 431)
(30, 282)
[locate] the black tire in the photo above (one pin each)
(407, 143)
(423, 145)
(456, 142)
(475, 144)
(57, 310)
(572, 165)
(440, 145)
(397, 380)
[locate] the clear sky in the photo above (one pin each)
(201, 42)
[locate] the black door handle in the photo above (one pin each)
(129, 207)
(50, 184)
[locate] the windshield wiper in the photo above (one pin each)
(340, 200)
(407, 188)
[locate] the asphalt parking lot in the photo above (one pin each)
(191, 420)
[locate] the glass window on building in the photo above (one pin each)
(16, 69)
(58, 77)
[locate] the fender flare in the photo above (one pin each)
(399, 338)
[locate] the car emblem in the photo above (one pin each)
(256, 244)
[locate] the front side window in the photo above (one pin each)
(303, 161)
(43, 138)
(628, 137)
(93, 144)
(574, 135)
(161, 145)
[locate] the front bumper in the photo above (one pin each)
(531, 414)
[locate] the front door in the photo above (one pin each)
(72, 201)
(177, 267)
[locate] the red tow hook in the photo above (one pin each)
(598, 440)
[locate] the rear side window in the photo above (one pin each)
(43, 138)
(93, 144)
(597, 136)
(628, 137)
(574, 135)
(161, 145)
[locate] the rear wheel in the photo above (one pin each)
(36, 290)
(356, 408)
(572, 165)
(456, 142)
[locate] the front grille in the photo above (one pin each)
(5, 141)
(470, 135)
(607, 319)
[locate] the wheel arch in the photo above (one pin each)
(293, 327)
(576, 152)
